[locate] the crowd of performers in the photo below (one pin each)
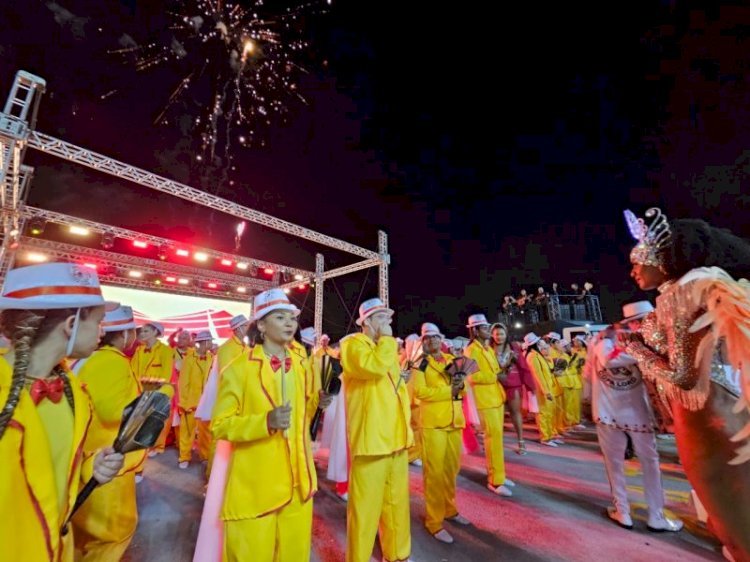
(246, 408)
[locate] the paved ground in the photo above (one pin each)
(556, 514)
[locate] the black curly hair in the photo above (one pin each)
(695, 243)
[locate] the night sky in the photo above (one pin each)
(497, 147)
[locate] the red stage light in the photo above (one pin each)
(212, 285)
(301, 287)
(226, 262)
(268, 271)
(90, 266)
(183, 253)
(140, 244)
(171, 279)
(183, 281)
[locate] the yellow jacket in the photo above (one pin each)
(29, 509)
(260, 477)
(432, 387)
(578, 355)
(112, 385)
(377, 402)
(568, 379)
(488, 392)
(540, 367)
(155, 363)
(192, 379)
(229, 352)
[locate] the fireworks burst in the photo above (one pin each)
(241, 64)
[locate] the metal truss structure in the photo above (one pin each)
(17, 133)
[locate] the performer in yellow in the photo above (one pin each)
(490, 398)
(152, 363)
(412, 356)
(377, 407)
(442, 423)
(547, 387)
(49, 312)
(265, 403)
(196, 365)
(578, 357)
(105, 524)
(568, 381)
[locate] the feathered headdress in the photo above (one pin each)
(651, 238)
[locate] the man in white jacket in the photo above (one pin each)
(620, 409)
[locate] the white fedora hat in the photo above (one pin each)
(273, 299)
(554, 336)
(52, 286)
(119, 319)
(636, 310)
(237, 321)
(530, 339)
(307, 335)
(203, 335)
(477, 320)
(370, 307)
(430, 329)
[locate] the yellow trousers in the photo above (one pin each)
(559, 414)
(106, 522)
(187, 435)
(159, 446)
(415, 451)
(572, 401)
(492, 425)
(282, 536)
(378, 498)
(545, 419)
(204, 439)
(441, 458)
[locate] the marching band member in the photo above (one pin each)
(442, 423)
(410, 356)
(490, 400)
(378, 425)
(192, 379)
(106, 522)
(567, 378)
(264, 407)
(547, 387)
(49, 312)
(153, 362)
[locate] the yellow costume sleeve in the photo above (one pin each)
(363, 363)
(227, 423)
(430, 393)
(537, 369)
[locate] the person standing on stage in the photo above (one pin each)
(196, 365)
(105, 523)
(490, 400)
(264, 407)
(379, 432)
(153, 363)
(620, 409)
(443, 421)
(50, 312)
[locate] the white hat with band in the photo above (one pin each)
(273, 299)
(119, 319)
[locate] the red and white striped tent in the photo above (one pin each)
(215, 321)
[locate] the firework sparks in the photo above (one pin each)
(241, 65)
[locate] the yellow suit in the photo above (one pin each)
(565, 383)
(192, 379)
(490, 398)
(267, 506)
(574, 412)
(442, 421)
(30, 503)
(155, 363)
(379, 432)
(105, 524)
(546, 385)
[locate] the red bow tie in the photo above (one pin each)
(276, 363)
(202, 357)
(52, 389)
(146, 350)
(440, 359)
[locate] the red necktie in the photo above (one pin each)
(52, 389)
(276, 363)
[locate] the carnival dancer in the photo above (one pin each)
(49, 312)
(152, 363)
(379, 432)
(106, 522)
(490, 400)
(620, 409)
(560, 361)
(578, 357)
(192, 379)
(442, 415)
(515, 376)
(265, 403)
(547, 388)
(692, 347)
